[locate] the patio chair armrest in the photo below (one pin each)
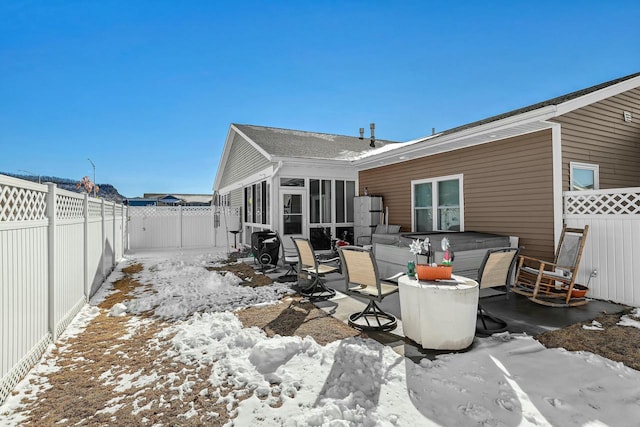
(326, 261)
(393, 279)
(542, 263)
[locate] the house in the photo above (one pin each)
(298, 183)
(506, 174)
(181, 199)
(162, 199)
(140, 201)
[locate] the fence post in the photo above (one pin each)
(214, 227)
(51, 214)
(125, 229)
(85, 209)
(103, 241)
(122, 227)
(180, 226)
(115, 243)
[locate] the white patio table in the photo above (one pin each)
(439, 315)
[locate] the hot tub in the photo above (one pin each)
(392, 250)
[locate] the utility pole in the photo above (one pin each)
(94, 177)
(31, 173)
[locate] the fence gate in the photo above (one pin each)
(165, 227)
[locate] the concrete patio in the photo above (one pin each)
(522, 315)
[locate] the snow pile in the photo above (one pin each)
(632, 320)
(181, 285)
(594, 326)
(118, 310)
(503, 380)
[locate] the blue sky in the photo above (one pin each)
(147, 89)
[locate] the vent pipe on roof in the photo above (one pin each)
(372, 126)
(361, 133)
(433, 131)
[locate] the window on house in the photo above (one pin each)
(257, 197)
(326, 200)
(437, 204)
(320, 201)
(292, 211)
(257, 203)
(291, 182)
(248, 204)
(266, 203)
(344, 191)
(584, 176)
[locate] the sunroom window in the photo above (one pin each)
(584, 176)
(345, 191)
(320, 201)
(257, 203)
(437, 204)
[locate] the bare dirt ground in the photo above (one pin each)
(618, 343)
(79, 393)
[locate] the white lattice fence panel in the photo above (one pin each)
(21, 204)
(95, 209)
(9, 381)
(108, 209)
(69, 207)
(197, 211)
(153, 211)
(600, 202)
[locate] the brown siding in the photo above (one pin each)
(507, 188)
(598, 134)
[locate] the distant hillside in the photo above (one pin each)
(107, 191)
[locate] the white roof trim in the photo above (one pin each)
(598, 95)
(223, 157)
(227, 149)
(511, 126)
(252, 142)
(310, 161)
(258, 176)
(530, 121)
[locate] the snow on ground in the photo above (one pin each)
(182, 286)
(504, 380)
(632, 319)
(36, 380)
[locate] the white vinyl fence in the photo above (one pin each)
(166, 227)
(613, 244)
(56, 249)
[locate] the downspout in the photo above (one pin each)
(556, 152)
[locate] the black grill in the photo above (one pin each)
(265, 247)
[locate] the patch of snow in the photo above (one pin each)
(502, 380)
(594, 326)
(118, 310)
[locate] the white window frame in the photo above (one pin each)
(584, 166)
(322, 200)
(262, 217)
(345, 200)
(434, 198)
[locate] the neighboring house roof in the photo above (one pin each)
(141, 199)
(187, 198)
(278, 142)
(528, 119)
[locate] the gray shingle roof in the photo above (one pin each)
(311, 145)
(553, 101)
